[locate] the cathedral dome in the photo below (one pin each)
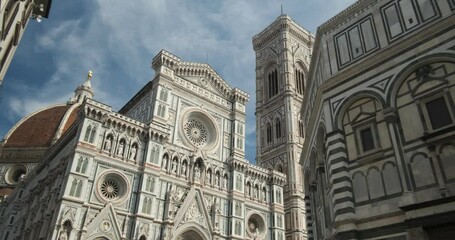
(44, 127)
(41, 128)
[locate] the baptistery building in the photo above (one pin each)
(379, 116)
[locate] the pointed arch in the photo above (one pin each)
(278, 128)
(79, 189)
(271, 80)
(87, 133)
(300, 74)
(73, 187)
(269, 132)
(84, 165)
(165, 161)
(79, 164)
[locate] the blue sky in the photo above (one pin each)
(118, 39)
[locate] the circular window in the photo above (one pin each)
(256, 226)
(196, 132)
(112, 187)
(253, 225)
(199, 129)
(15, 174)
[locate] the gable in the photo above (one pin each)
(203, 76)
(105, 224)
(193, 214)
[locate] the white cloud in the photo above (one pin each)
(118, 39)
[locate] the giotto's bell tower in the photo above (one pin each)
(283, 53)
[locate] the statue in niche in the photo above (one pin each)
(225, 182)
(208, 204)
(255, 192)
(108, 143)
(173, 199)
(63, 235)
(133, 152)
(121, 146)
(175, 194)
(264, 194)
(174, 166)
(217, 180)
(165, 159)
(184, 168)
(216, 212)
(197, 172)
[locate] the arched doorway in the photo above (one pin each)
(190, 235)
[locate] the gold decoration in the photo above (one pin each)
(89, 75)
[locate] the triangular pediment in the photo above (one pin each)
(105, 224)
(193, 212)
(199, 78)
(203, 76)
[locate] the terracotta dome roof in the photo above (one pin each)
(41, 127)
(5, 191)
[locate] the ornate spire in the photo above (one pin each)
(83, 91)
(87, 82)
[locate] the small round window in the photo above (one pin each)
(15, 174)
(112, 187)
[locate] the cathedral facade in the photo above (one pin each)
(169, 165)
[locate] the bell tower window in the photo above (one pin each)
(272, 80)
(301, 131)
(278, 128)
(299, 81)
(269, 133)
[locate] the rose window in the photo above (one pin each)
(198, 129)
(112, 186)
(196, 132)
(256, 227)
(252, 225)
(110, 189)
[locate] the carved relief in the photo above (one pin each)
(144, 228)
(69, 213)
(193, 215)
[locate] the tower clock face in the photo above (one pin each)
(199, 129)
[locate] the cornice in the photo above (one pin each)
(282, 23)
(167, 64)
(256, 172)
(346, 15)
